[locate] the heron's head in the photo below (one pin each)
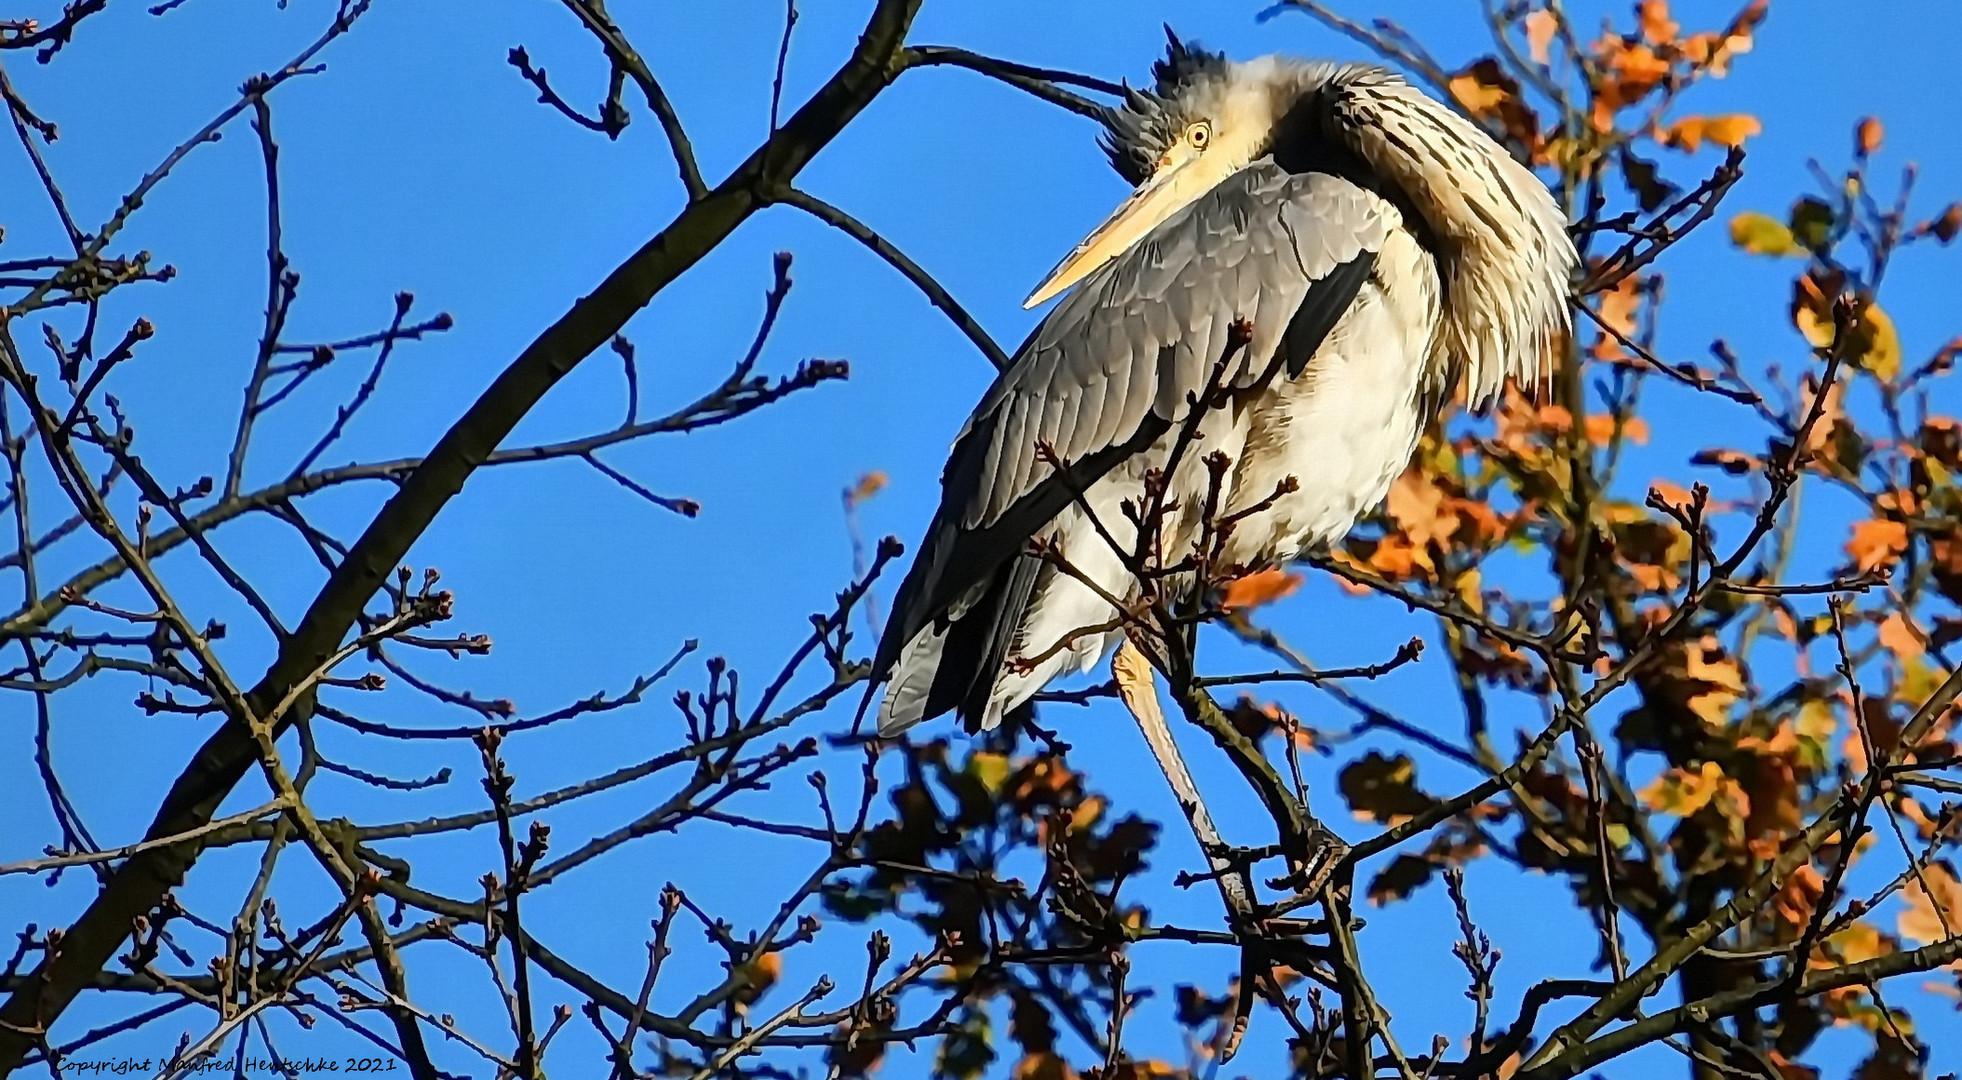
(1204, 119)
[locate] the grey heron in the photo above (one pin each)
(1385, 251)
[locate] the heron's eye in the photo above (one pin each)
(1198, 135)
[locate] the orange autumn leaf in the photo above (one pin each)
(1897, 637)
(1714, 52)
(1932, 905)
(1601, 429)
(1617, 308)
(1395, 558)
(1657, 26)
(868, 485)
(1421, 510)
(1691, 132)
(1633, 65)
(1489, 93)
(1477, 97)
(1628, 73)
(1867, 136)
(1671, 493)
(1794, 903)
(1877, 543)
(1259, 587)
(757, 976)
(1043, 1066)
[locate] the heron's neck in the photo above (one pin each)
(1499, 237)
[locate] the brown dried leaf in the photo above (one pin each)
(1383, 788)
(1404, 875)
(1949, 224)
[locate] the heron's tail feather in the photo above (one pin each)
(953, 662)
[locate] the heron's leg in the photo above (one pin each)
(1138, 687)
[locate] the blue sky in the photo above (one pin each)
(419, 162)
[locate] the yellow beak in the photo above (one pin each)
(1155, 200)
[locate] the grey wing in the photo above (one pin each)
(1114, 365)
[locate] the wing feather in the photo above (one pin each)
(1111, 367)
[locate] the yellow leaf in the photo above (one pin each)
(1919, 681)
(1817, 722)
(1859, 942)
(1681, 792)
(1762, 234)
(1812, 307)
(1877, 346)
(1087, 813)
(989, 770)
